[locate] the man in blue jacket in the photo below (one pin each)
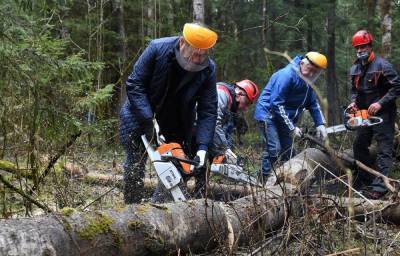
(171, 77)
(282, 102)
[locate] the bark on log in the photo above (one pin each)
(148, 229)
(302, 169)
(214, 189)
(145, 229)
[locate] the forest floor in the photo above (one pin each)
(303, 236)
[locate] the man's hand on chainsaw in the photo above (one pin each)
(352, 107)
(297, 132)
(321, 132)
(148, 129)
(200, 158)
(374, 108)
(231, 158)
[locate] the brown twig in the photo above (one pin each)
(346, 252)
(24, 195)
(54, 159)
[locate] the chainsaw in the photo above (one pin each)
(172, 165)
(168, 174)
(354, 120)
(231, 170)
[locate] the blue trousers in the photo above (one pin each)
(277, 144)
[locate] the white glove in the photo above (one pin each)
(231, 158)
(201, 156)
(321, 132)
(297, 132)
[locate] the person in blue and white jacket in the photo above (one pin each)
(281, 104)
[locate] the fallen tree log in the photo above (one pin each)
(302, 169)
(146, 229)
(151, 183)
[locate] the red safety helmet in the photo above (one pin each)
(362, 37)
(250, 88)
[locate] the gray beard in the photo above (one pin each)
(188, 65)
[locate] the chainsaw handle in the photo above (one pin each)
(187, 161)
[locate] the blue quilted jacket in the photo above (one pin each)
(147, 85)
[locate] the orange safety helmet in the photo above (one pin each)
(250, 88)
(362, 37)
(199, 36)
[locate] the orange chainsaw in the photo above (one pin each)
(354, 120)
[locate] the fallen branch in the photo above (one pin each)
(54, 159)
(12, 168)
(24, 195)
(351, 162)
(355, 251)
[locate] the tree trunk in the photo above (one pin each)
(332, 89)
(119, 6)
(302, 169)
(185, 227)
(386, 27)
(145, 229)
(198, 11)
(150, 13)
(265, 24)
(309, 31)
(371, 7)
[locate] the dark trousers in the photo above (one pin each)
(384, 135)
(134, 167)
(278, 143)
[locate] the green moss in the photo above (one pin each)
(66, 224)
(67, 211)
(116, 238)
(154, 243)
(119, 207)
(135, 225)
(59, 166)
(7, 166)
(143, 208)
(99, 224)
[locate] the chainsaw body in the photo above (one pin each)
(171, 164)
(168, 174)
(354, 120)
(359, 119)
(232, 171)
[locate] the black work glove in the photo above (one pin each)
(148, 129)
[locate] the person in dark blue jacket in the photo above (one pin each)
(174, 82)
(281, 104)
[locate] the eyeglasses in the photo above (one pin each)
(194, 55)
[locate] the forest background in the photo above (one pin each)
(64, 63)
